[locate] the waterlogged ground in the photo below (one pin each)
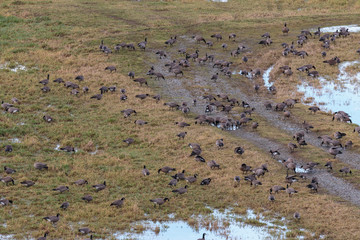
(333, 96)
(219, 226)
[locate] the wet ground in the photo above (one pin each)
(333, 96)
(197, 81)
(218, 226)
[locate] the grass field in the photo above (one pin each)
(62, 38)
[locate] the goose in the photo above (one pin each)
(65, 205)
(290, 191)
(61, 189)
(181, 190)
(177, 72)
(45, 89)
(6, 106)
(111, 68)
(53, 219)
(181, 175)
(217, 36)
(118, 203)
(159, 201)
(81, 182)
(285, 29)
(237, 181)
(129, 141)
(74, 92)
(239, 150)
(307, 126)
(130, 46)
(292, 146)
(302, 142)
(191, 179)
(140, 122)
(334, 151)
(59, 80)
(271, 197)
(141, 81)
(157, 98)
(254, 125)
(171, 41)
(71, 85)
(182, 124)
(85, 230)
(172, 105)
(348, 144)
(145, 171)
(339, 135)
(212, 164)
(276, 189)
(131, 75)
(274, 153)
(142, 45)
(45, 81)
(345, 170)
(5, 202)
(266, 35)
(205, 181)
(91, 238)
(9, 170)
(48, 118)
(329, 165)
(219, 143)
(290, 179)
(96, 96)
(313, 187)
(161, 54)
(332, 61)
(199, 158)
(297, 216)
(100, 186)
(199, 39)
(123, 97)
(127, 112)
(79, 78)
(12, 110)
(166, 169)
(87, 198)
(181, 135)
(68, 149)
(173, 181)
(255, 183)
(40, 166)
(27, 183)
(245, 168)
(203, 237)
(232, 36)
(112, 89)
(142, 96)
(44, 237)
(7, 180)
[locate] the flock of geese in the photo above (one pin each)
(214, 103)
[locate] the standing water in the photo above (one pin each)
(220, 226)
(335, 96)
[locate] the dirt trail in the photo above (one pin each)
(196, 82)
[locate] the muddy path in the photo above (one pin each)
(197, 81)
